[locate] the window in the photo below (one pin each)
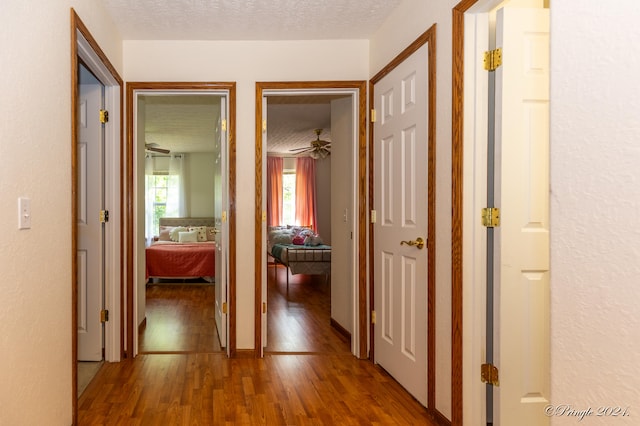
(289, 198)
(158, 189)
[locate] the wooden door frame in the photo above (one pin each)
(101, 60)
(457, 194)
(360, 86)
(132, 87)
(429, 38)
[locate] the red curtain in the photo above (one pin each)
(306, 192)
(274, 191)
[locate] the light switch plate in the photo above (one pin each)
(24, 213)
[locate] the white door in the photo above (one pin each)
(221, 208)
(400, 202)
(90, 199)
(522, 193)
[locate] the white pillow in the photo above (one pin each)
(188, 237)
(174, 233)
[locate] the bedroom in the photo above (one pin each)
(316, 127)
(182, 180)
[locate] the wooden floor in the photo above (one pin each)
(179, 318)
(307, 377)
(299, 317)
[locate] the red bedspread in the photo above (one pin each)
(181, 260)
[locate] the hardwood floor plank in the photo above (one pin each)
(278, 390)
(180, 318)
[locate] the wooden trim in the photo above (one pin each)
(429, 38)
(74, 217)
(372, 341)
(257, 254)
(457, 108)
(246, 354)
(362, 202)
(440, 419)
(78, 26)
(132, 87)
(142, 325)
(340, 329)
(431, 231)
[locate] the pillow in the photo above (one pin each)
(188, 237)
(174, 233)
(281, 238)
(165, 234)
(211, 235)
(201, 232)
(313, 240)
(298, 240)
(306, 232)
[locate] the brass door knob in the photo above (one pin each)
(418, 242)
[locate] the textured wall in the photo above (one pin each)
(595, 199)
(245, 62)
(35, 135)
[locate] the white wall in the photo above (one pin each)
(201, 183)
(595, 199)
(245, 62)
(323, 198)
(410, 20)
(35, 135)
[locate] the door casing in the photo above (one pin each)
(86, 49)
(131, 282)
(358, 90)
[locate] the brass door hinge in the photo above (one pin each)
(373, 317)
(224, 307)
(224, 125)
(264, 307)
(264, 125)
(489, 374)
(104, 116)
(491, 217)
(104, 216)
(492, 59)
(373, 115)
(104, 316)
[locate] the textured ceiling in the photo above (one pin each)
(190, 123)
(183, 123)
(248, 19)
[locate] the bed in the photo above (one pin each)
(299, 250)
(184, 248)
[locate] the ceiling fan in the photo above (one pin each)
(155, 148)
(317, 149)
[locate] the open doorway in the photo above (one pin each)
(92, 69)
(184, 282)
(339, 280)
(309, 167)
(183, 139)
